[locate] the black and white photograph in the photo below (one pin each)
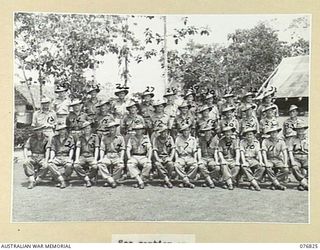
(161, 118)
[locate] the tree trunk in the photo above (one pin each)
(28, 86)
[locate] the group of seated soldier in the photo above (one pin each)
(219, 141)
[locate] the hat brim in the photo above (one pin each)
(303, 127)
(274, 130)
(169, 94)
(121, 91)
(61, 128)
(75, 103)
(293, 109)
(113, 125)
(250, 130)
(227, 110)
(38, 128)
(103, 103)
(265, 110)
(149, 93)
(202, 110)
(229, 129)
(91, 90)
(139, 128)
(159, 104)
(60, 90)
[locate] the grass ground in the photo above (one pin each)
(154, 203)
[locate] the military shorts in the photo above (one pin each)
(302, 160)
(275, 163)
(34, 164)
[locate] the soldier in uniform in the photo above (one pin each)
(139, 152)
(131, 119)
(289, 124)
(189, 98)
(146, 109)
(171, 108)
(120, 103)
(62, 148)
(229, 155)
(164, 152)
(269, 119)
(250, 153)
(247, 100)
(298, 154)
(249, 120)
(208, 153)
(87, 153)
(61, 104)
(185, 117)
(45, 117)
(204, 119)
(266, 102)
(275, 157)
(228, 101)
(76, 118)
(229, 120)
(36, 153)
(159, 117)
(186, 164)
(104, 116)
(214, 113)
(112, 148)
(90, 104)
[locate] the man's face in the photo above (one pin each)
(228, 134)
(249, 99)
(105, 107)
(76, 108)
(87, 130)
(274, 134)
(249, 136)
(170, 98)
(208, 133)
(293, 113)
(209, 101)
(270, 113)
(61, 95)
(186, 132)
(159, 108)
(249, 112)
(268, 99)
(147, 98)
(229, 114)
(133, 109)
(205, 113)
(63, 132)
(189, 98)
(300, 131)
(163, 134)
(139, 131)
(45, 106)
(93, 94)
(113, 129)
(230, 99)
(121, 95)
(38, 133)
(184, 110)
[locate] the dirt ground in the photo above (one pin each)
(154, 203)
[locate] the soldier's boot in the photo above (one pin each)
(210, 182)
(168, 182)
(278, 186)
(87, 181)
(255, 185)
(31, 182)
